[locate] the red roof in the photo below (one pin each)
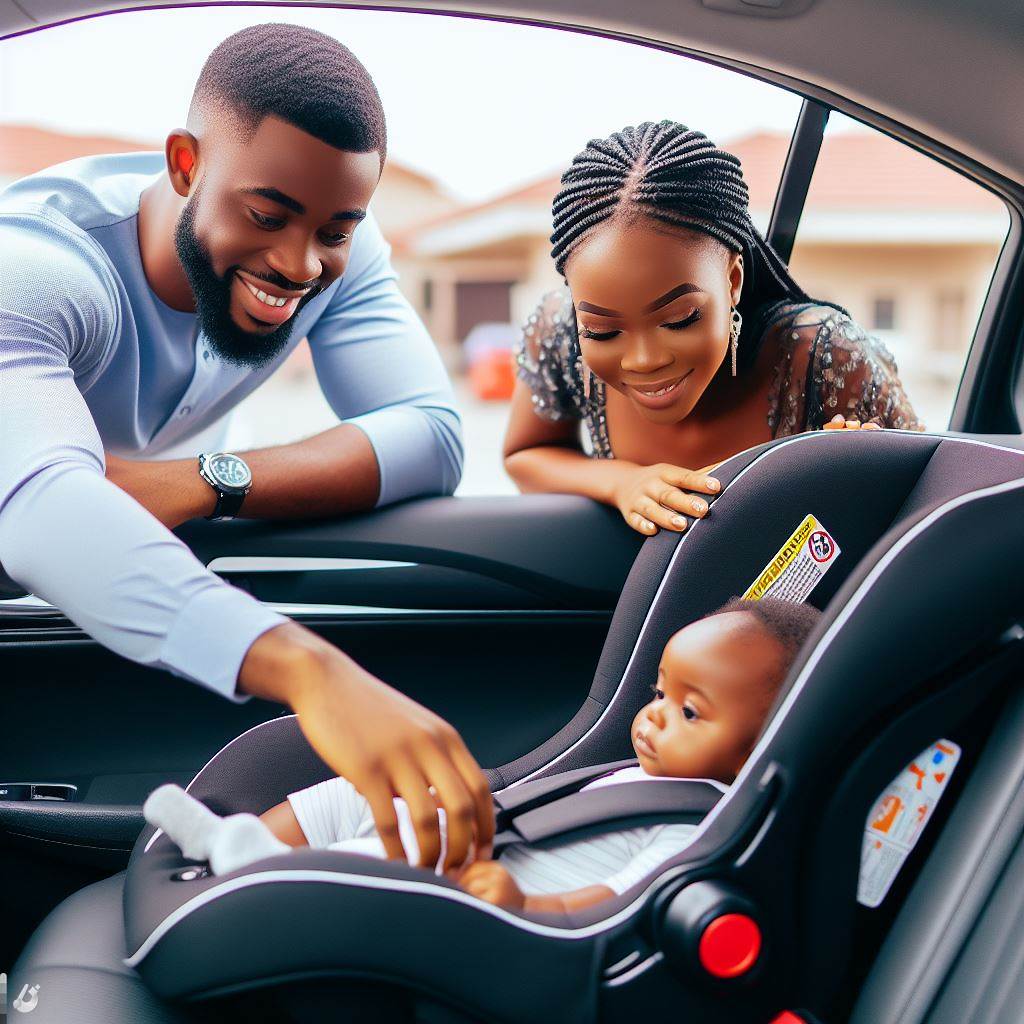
(26, 148)
(855, 171)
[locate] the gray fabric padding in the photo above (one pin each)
(76, 956)
(855, 485)
(868, 490)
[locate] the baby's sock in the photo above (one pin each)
(227, 843)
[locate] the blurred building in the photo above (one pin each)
(403, 197)
(904, 243)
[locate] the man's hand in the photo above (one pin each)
(488, 880)
(172, 490)
(383, 742)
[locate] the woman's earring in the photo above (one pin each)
(734, 336)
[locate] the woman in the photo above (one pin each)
(682, 339)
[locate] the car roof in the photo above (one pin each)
(947, 70)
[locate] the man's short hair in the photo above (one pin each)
(299, 75)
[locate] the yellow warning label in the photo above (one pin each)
(799, 565)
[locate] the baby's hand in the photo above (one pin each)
(488, 880)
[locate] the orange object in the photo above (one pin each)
(891, 807)
(492, 376)
(914, 770)
(185, 160)
(730, 945)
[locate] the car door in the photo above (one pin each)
(492, 611)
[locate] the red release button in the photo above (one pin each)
(730, 945)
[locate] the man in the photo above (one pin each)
(143, 296)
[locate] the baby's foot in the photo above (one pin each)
(227, 843)
(240, 840)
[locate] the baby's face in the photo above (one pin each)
(713, 690)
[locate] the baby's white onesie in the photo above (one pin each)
(335, 816)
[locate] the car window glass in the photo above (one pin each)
(482, 119)
(908, 246)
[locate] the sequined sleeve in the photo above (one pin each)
(546, 359)
(831, 365)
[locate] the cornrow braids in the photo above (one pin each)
(677, 176)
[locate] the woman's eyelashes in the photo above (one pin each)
(675, 325)
(599, 335)
(678, 325)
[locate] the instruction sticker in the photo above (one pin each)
(798, 567)
(898, 818)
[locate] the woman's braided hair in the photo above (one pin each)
(677, 176)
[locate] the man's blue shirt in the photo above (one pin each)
(92, 359)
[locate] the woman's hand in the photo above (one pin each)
(840, 422)
(489, 881)
(657, 496)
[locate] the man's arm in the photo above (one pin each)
(400, 435)
(330, 474)
(70, 536)
(380, 372)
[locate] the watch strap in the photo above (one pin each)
(229, 504)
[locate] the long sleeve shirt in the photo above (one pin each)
(91, 359)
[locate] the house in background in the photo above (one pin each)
(404, 196)
(905, 244)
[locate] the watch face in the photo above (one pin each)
(230, 471)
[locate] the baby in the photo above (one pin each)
(716, 681)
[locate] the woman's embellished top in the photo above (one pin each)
(828, 364)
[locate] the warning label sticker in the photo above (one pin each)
(799, 566)
(898, 818)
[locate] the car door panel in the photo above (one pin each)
(490, 611)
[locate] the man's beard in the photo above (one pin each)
(213, 302)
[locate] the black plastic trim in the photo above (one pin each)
(802, 158)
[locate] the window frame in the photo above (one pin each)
(990, 397)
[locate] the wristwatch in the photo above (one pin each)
(230, 477)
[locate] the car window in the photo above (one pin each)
(908, 246)
(482, 119)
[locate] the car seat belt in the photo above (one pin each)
(518, 799)
(572, 815)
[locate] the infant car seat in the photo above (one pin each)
(918, 640)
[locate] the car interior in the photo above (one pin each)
(920, 640)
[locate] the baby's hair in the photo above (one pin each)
(786, 621)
